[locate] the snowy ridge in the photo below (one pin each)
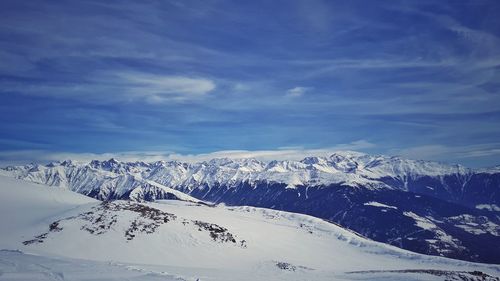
(349, 168)
(100, 182)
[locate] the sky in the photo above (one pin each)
(151, 79)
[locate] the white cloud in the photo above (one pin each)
(157, 88)
(42, 156)
(119, 87)
(436, 152)
(297, 91)
(432, 151)
(18, 157)
(439, 151)
(290, 153)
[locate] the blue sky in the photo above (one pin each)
(149, 79)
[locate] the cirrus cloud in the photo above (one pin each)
(105, 88)
(157, 88)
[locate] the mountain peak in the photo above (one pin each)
(348, 153)
(66, 163)
(313, 160)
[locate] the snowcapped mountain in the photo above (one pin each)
(436, 209)
(349, 168)
(101, 180)
(73, 237)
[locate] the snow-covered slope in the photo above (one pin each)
(26, 206)
(193, 241)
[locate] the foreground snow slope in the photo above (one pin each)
(26, 207)
(15, 265)
(190, 241)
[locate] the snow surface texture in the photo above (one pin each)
(72, 237)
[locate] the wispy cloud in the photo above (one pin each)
(434, 152)
(297, 153)
(294, 153)
(121, 87)
(297, 91)
(440, 151)
(158, 88)
(20, 157)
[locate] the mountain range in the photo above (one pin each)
(426, 207)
